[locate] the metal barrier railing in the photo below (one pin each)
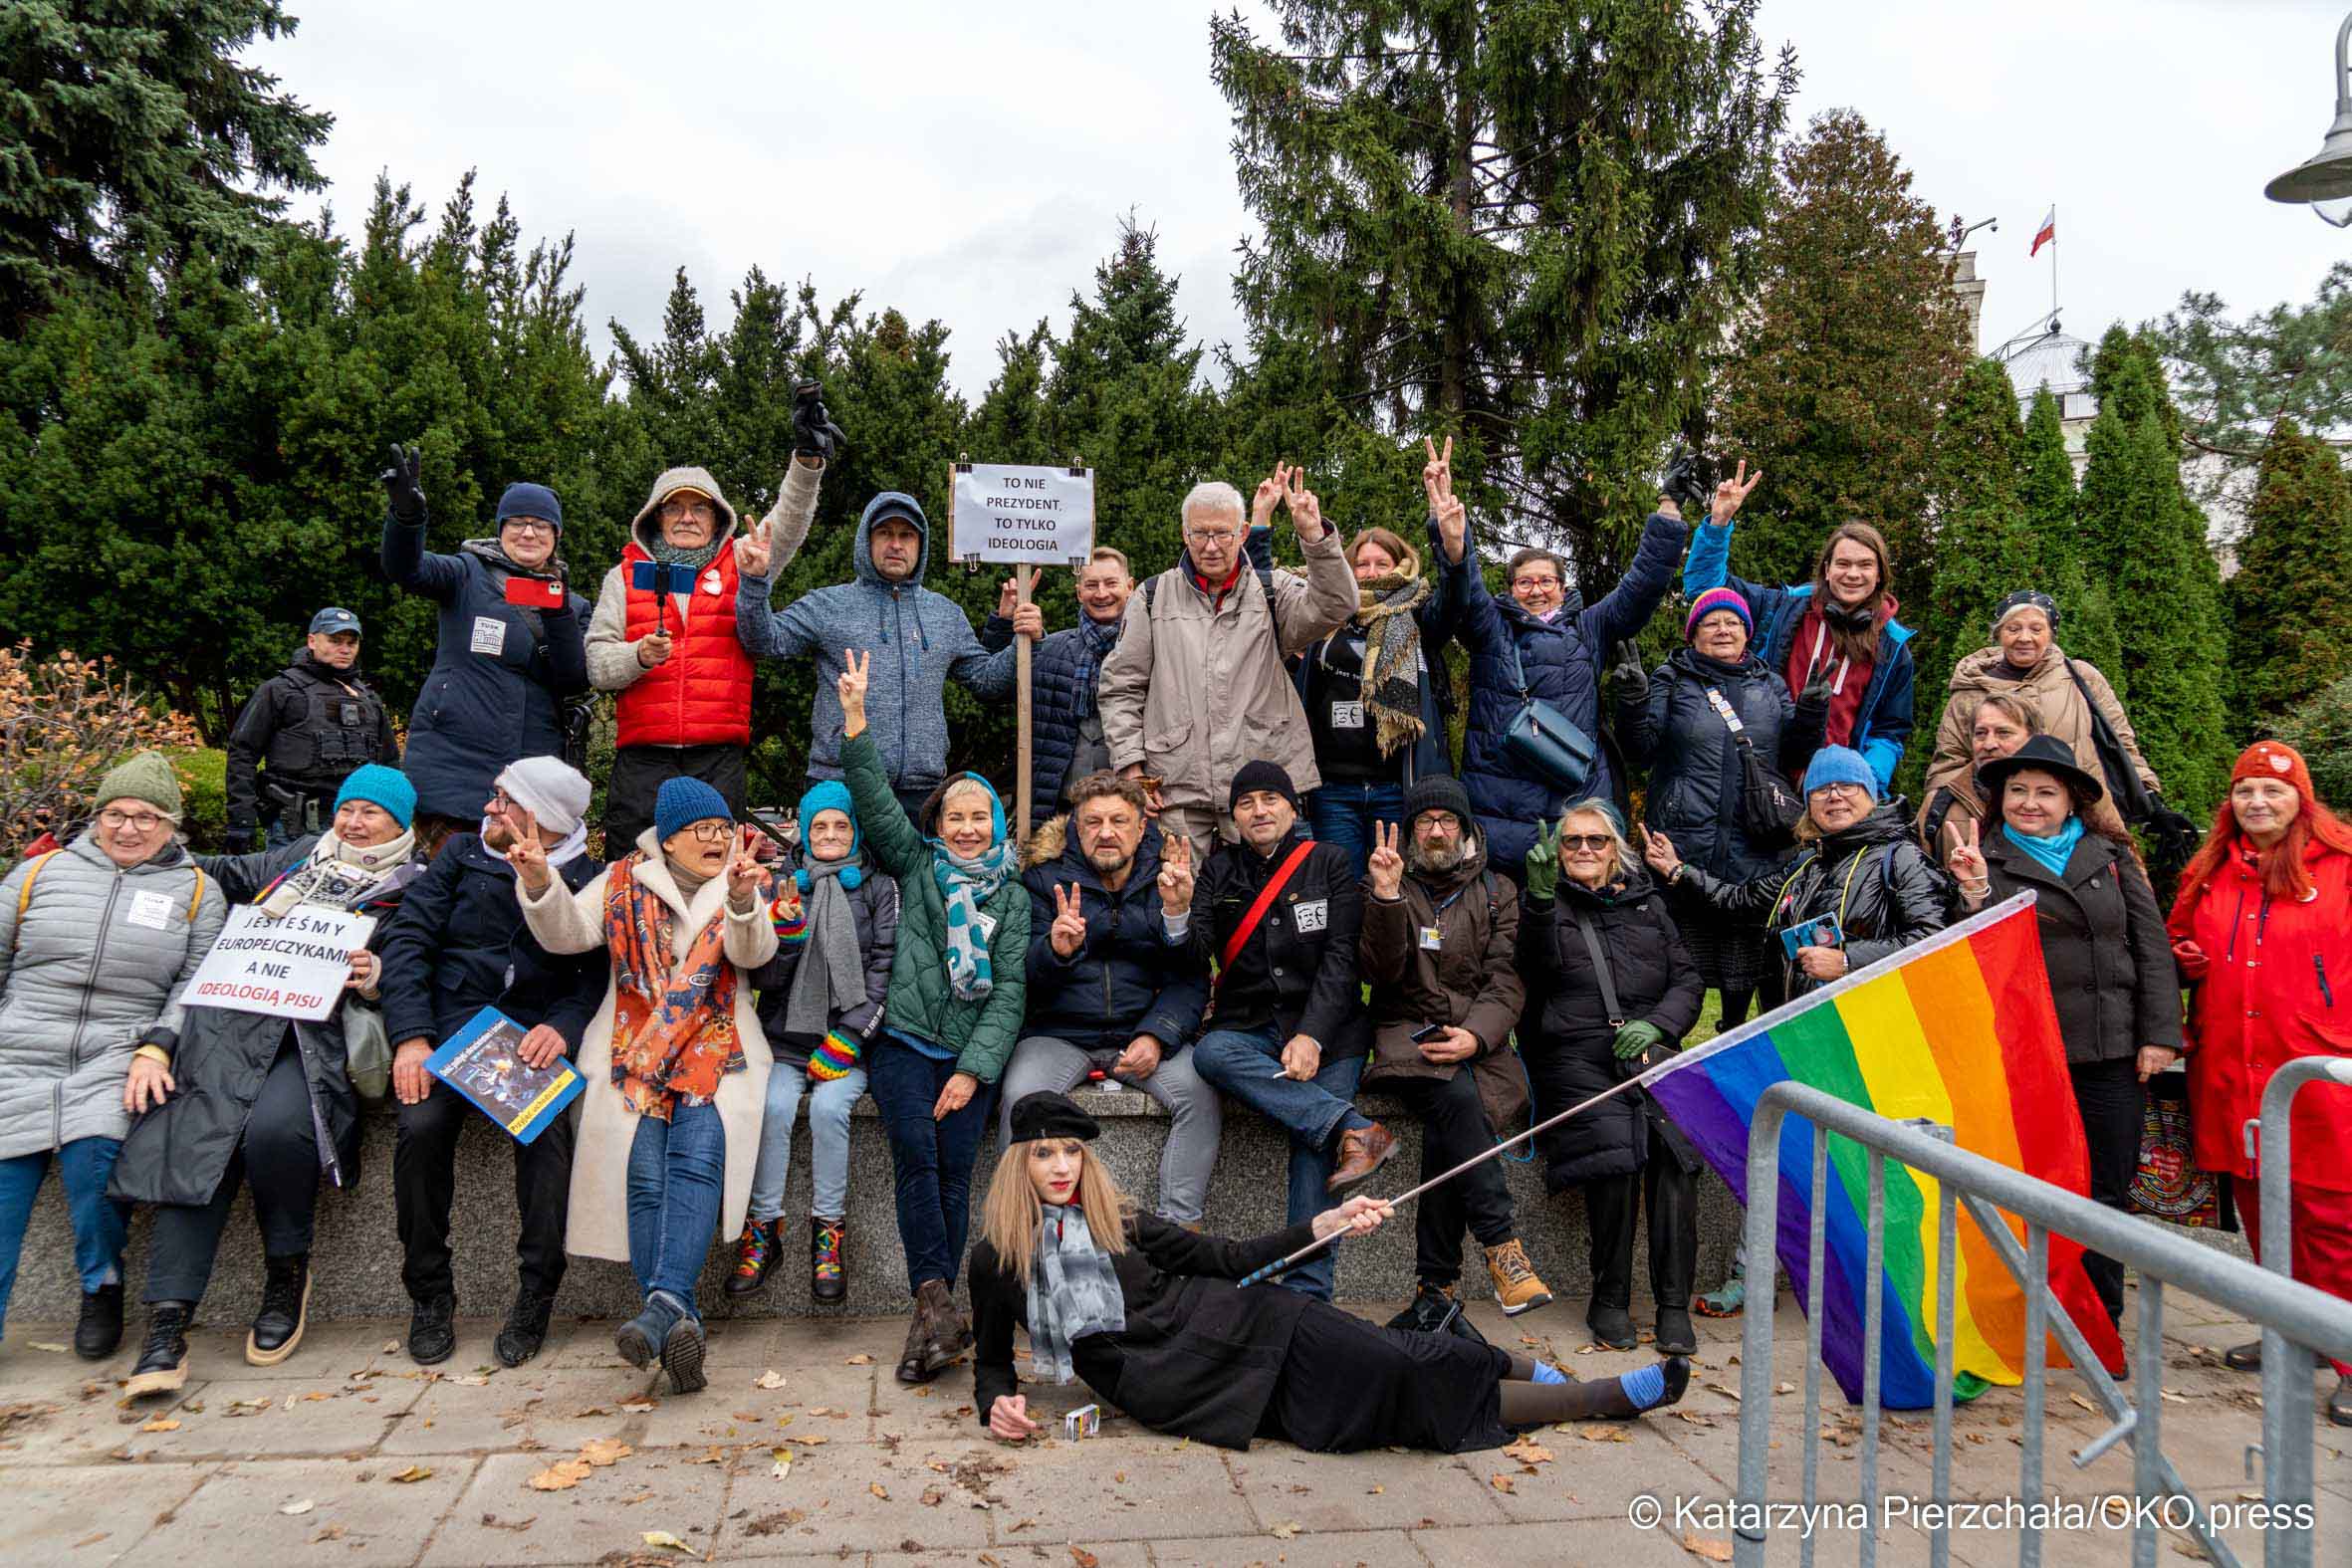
(2290, 1313)
(2287, 1381)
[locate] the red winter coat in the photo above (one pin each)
(702, 694)
(2279, 987)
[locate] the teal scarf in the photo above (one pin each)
(965, 885)
(2055, 852)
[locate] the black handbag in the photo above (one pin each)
(1770, 806)
(2123, 779)
(1544, 741)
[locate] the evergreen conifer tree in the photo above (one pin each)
(1985, 545)
(2291, 602)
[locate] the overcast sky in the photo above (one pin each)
(970, 163)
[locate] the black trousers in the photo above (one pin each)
(277, 1158)
(638, 773)
(1454, 1128)
(424, 1183)
(1671, 1195)
(2112, 1101)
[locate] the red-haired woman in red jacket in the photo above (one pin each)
(2262, 930)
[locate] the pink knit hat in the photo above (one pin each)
(1717, 599)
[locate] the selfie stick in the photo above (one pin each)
(1681, 1060)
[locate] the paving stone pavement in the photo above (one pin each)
(349, 1453)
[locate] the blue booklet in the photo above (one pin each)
(483, 1062)
(1821, 932)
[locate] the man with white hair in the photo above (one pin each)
(462, 946)
(1196, 686)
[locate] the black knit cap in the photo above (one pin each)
(1437, 793)
(1049, 1115)
(1262, 775)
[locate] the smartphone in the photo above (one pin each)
(1427, 1033)
(534, 592)
(661, 576)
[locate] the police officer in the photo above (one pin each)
(300, 733)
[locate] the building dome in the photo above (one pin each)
(2053, 361)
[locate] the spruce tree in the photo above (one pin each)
(2148, 543)
(1525, 222)
(2053, 514)
(1835, 386)
(1985, 544)
(2290, 602)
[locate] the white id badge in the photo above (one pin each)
(1311, 914)
(987, 925)
(1432, 940)
(151, 910)
(1348, 716)
(489, 635)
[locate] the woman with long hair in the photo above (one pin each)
(1145, 1312)
(2262, 933)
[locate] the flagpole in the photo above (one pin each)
(2053, 265)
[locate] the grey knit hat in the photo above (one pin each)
(146, 776)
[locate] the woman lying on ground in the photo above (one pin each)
(1145, 1312)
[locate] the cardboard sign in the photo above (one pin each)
(1005, 512)
(294, 967)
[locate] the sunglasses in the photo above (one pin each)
(1595, 841)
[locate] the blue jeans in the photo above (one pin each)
(830, 1101)
(1248, 1064)
(930, 1160)
(677, 1181)
(83, 1165)
(1343, 814)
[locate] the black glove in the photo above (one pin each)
(239, 841)
(813, 432)
(1632, 681)
(1816, 692)
(2173, 825)
(1688, 484)
(404, 484)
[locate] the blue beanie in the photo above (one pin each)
(1841, 765)
(531, 500)
(685, 800)
(377, 785)
(830, 795)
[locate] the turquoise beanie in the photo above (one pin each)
(377, 785)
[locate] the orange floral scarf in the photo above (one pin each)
(674, 1035)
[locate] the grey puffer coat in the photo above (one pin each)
(90, 969)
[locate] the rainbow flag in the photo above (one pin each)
(1959, 1029)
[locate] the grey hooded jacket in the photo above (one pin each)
(92, 967)
(915, 638)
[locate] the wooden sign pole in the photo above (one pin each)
(1023, 582)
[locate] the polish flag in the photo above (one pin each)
(2048, 234)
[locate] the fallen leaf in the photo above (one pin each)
(636, 1407)
(491, 1521)
(1528, 1452)
(665, 1541)
(160, 1423)
(860, 1360)
(2084, 1403)
(814, 1440)
(415, 1472)
(328, 1532)
(821, 1409)
(770, 1379)
(43, 1344)
(933, 1496)
(1726, 1392)
(294, 1510)
(392, 1347)
(1287, 1530)
(1708, 1547)
(714, 1454)
(880, 1490)
(1784, 1387)
(91, 1540)
(1503, 1484)
(601, 1451)
(1083, 1558)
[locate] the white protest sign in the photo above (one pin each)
(1013, 512)
(294, 967)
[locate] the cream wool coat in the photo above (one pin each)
(567, 922)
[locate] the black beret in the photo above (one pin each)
(1049, 1115)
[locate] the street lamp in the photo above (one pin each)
(2324, 180)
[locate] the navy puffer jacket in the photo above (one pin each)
(1129, 978)
(1563, 658)
(1695, 788)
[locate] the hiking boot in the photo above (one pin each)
(681, 1354)
(1676, 1335)
(950, 1330)
(641, 1338)
(915, 1361)
(99, 1332)
(163, 1360)
(755, 1257)
(1434, 1310)
(432, 1335)
(285, 1308)
(526, 1327)
(1362, 1151)
(2244, 1358)
(827, 1270)
(1729, 1302)
(1612, 1326)
(1516, 1285)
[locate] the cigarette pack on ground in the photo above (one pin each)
(484, 1063)
(1083, 1422)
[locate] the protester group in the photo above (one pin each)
(1254, 874)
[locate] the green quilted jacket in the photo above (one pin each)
(982, 1033)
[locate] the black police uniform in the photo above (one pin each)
(304, 729)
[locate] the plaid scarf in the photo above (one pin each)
(1095, 640)
(674, 1035)
(1393, 657)
(965, 885)
(1073, 1292)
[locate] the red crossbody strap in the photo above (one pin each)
(1257, 911)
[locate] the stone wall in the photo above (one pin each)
(357, 1253)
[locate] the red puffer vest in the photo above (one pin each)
(702, 695)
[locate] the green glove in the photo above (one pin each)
(1636, 1037)
(1543, 864)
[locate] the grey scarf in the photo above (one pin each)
(831, 977)
(1073, 1291)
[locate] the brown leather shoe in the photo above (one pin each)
(1362, 1151)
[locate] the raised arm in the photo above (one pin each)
(1629, 605)
(1309, 609)
(406, 560)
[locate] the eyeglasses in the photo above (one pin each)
(1591, 841)
(1844, 789)
(1212, 536)
(529, 525)
(138, 821)
(712, 832)
(1535, 583)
